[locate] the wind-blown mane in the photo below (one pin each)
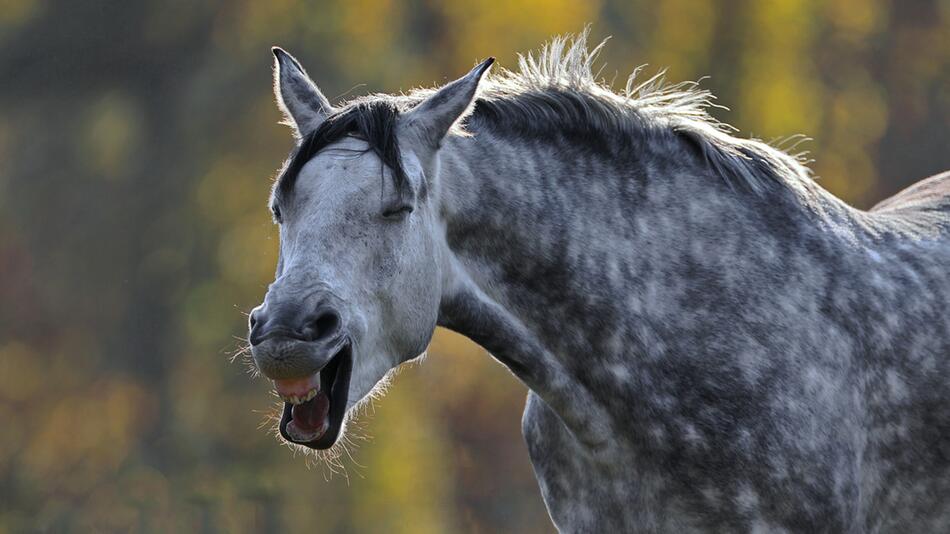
(556, 94)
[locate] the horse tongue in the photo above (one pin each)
(309, 420)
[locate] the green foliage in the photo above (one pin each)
(137, 142)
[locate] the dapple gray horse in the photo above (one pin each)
(713, 343)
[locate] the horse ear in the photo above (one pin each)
(434, 117)
(303, 105)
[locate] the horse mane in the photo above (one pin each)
(373, 120)
(556, 93)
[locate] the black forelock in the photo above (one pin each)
(373, 121)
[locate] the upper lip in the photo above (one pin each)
(282, 333)
(282, 358)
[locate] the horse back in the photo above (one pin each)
(931, 194)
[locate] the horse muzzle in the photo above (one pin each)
(310, 359)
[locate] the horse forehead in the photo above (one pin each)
(346, 162)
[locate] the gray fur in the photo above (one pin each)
(713, 343)
(303, 105)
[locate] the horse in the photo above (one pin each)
(712, 342)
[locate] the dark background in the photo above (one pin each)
(137, 145)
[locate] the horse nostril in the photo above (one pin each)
(256, 323)
(288, 323)
(323, 325)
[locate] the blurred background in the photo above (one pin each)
(138, 141)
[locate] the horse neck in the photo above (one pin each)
(552, 232)
(563, 258)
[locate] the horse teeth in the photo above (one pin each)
(294, 399)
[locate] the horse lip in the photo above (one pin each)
(335, 378)
(276, 333)
(283, 358)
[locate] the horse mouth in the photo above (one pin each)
(315, 406)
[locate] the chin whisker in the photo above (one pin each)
(242, 351)
(340, 459)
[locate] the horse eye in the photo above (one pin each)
(275, 209)
(397, 211)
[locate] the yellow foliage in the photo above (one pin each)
(111, 136)
(483, 28)
(83, 437)
(682, 36)
(13, 12)
(21, 373)
(780, 95)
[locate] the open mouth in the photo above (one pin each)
(314, 406)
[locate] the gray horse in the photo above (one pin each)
(713, 343)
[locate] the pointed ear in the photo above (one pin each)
(434, 117)
(303, 105)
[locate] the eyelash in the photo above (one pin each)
(397, 211)
(275, 210)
